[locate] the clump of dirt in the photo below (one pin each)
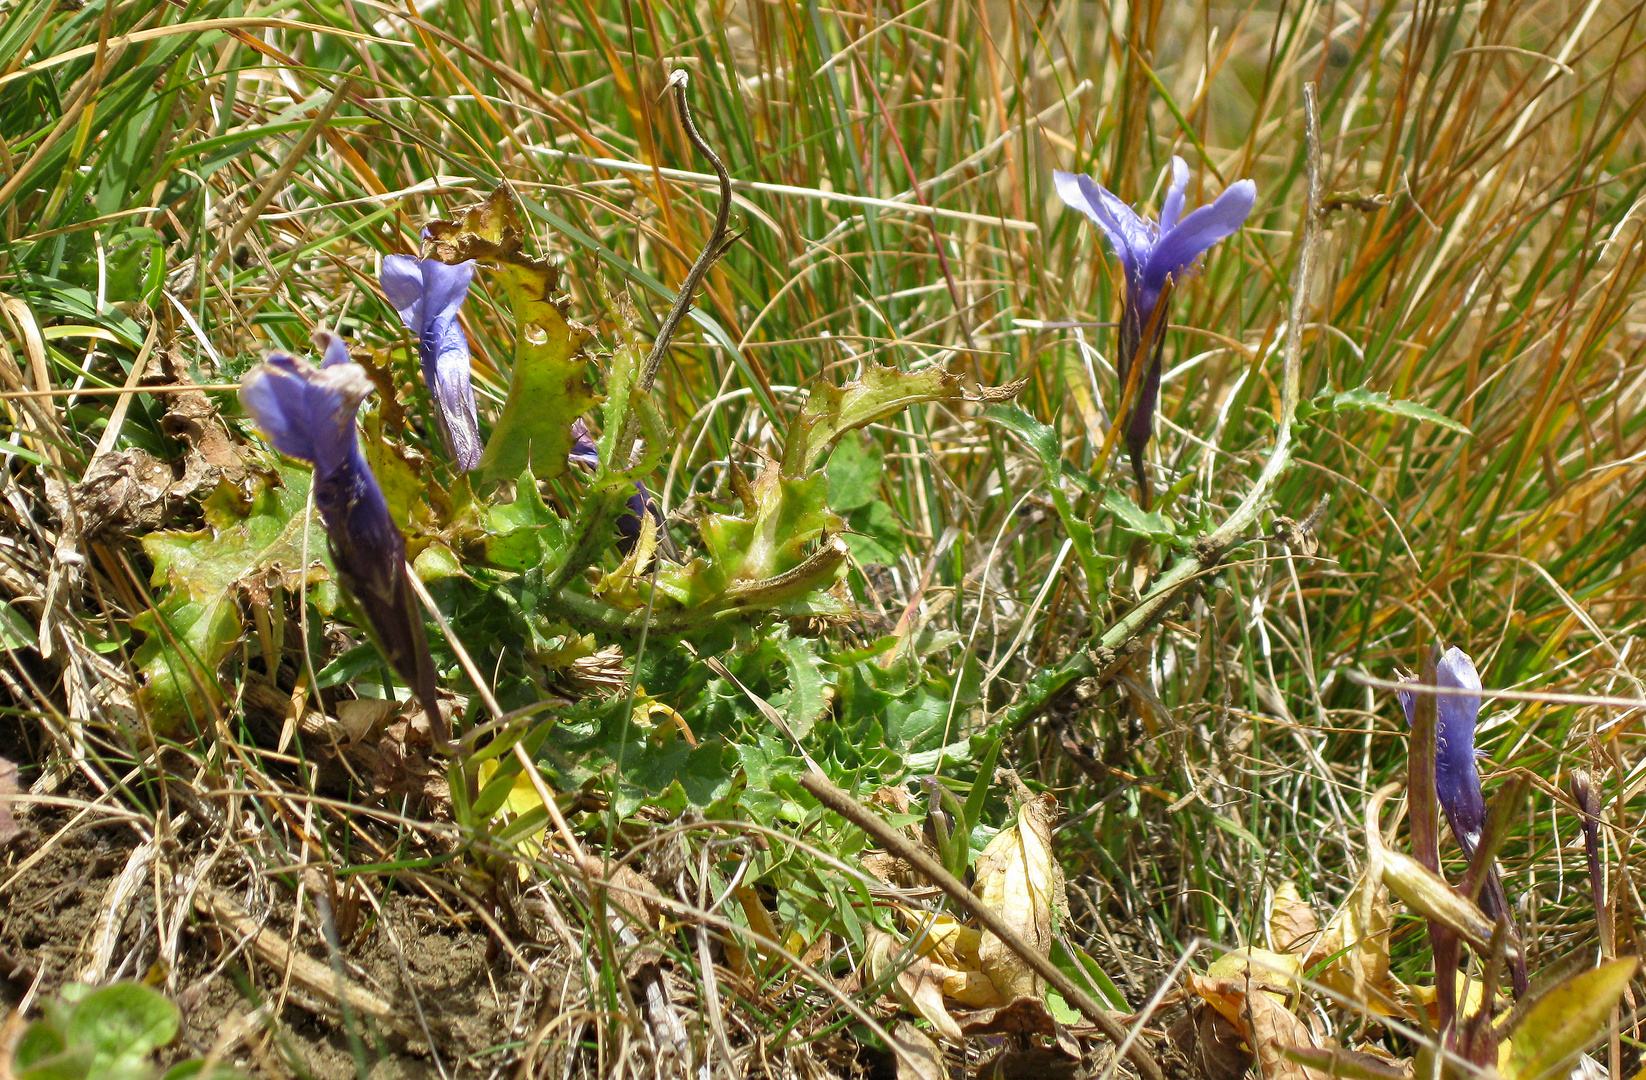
(449, 995)
(49, 911)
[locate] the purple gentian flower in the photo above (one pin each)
(308, 413)
(584, 452)
(1151, 255)
(1457, 781)
(428, 293)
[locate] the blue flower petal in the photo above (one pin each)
(403, 284)
(453, 389)
(1129, 235)
(1190, 238)
(336, 349)
(584, 451)
(1457, 782)
(445, 287)
(1172, 209)
(307, 412)
(428, 295)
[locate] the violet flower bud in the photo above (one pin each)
(1457, 780)
(584, 452)
(428, 294)
(309, 413)
(1152, 255)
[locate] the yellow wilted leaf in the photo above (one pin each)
(522, 798)
(953, 948)
(945, 937)
(621, 586)
(1470, 995)
(1292, 923)
(972, 989)
(1356, 942)
(1264, 970)
(1430, 895)
(1018, 876)
(918, 985)
(1565, 1021)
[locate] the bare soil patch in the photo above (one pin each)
(449, 998)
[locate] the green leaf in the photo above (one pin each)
(122, 1022)
(195, 1070)
(831, 411)
(1075, 963)
(525, 534)
(855, 470)
(1040, 437)
(1151, 524)
(875, 536)
(1566, 1020)
(351, 665)
(548, 384)
(197, 623)
(40, 1042)
(808, 693)
(700, 774)
(1362, 398)
(765, 559)
(15, 631)
(1044, 442)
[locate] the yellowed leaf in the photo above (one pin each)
(1432, 897)
(1226, 995)
(918, 1058)
(1356, 942)
(946, 938)
(953, 948)
(1018, 876)
(1261, 1017)
(522, 799)
(1292, 924)
(1565, 1021)
(1470, 994)
(972, 989)
(1265, 970)
(622, 585)
(917, 983)
(760, 920)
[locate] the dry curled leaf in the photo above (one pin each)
(1356, 944)
(1025, 1016)
(918, 1057)
(1210, 1044)
(1034, 1063)
(1270, 1030)
(917, 982)
(1292, 923)
(1263, 1020)
(1018, 876)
